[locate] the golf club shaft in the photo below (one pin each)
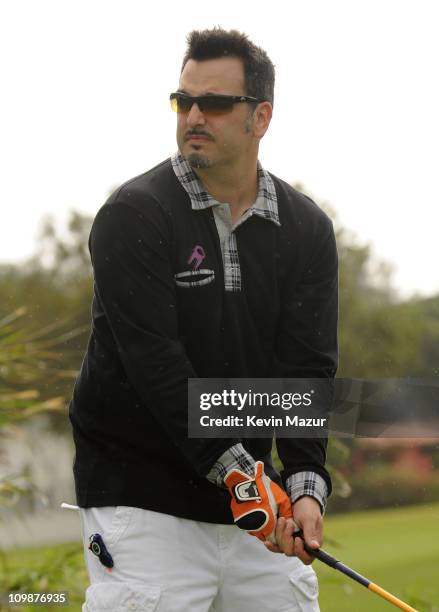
(323, 556)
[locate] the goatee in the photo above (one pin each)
(198, 161)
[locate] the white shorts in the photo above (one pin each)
(167, 564)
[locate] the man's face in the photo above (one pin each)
(208, 140)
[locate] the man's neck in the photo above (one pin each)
(236, 186)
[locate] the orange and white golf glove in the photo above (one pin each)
(257, 502)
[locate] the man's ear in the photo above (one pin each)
(261, 118)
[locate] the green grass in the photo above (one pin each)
(397, 549)
(58, 568)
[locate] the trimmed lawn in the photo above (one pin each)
(396, 549)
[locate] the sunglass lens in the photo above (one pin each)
(181, 104)
(174, 104)
(216, 105)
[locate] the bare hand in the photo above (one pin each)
(307, 516)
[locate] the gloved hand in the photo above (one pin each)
(257, 502)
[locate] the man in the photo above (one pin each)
(205, 266)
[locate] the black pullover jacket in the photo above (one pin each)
(150, 334)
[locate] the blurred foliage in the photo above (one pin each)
(52, 294)
(30, 366)
(379, 336)
(384, 487)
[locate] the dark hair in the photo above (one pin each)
(215, 43)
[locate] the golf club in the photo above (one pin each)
(323, 556)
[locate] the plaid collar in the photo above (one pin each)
(265, 205)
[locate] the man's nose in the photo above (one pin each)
(195, 116)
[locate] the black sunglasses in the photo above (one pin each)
(213, 103)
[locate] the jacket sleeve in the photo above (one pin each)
(134, 282)
(306, 344)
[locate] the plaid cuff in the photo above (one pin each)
(235, 458)
(308, 483)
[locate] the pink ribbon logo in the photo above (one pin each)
(197, 256)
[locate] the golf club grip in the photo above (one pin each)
(321, 555)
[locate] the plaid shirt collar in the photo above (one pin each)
(265, 205)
